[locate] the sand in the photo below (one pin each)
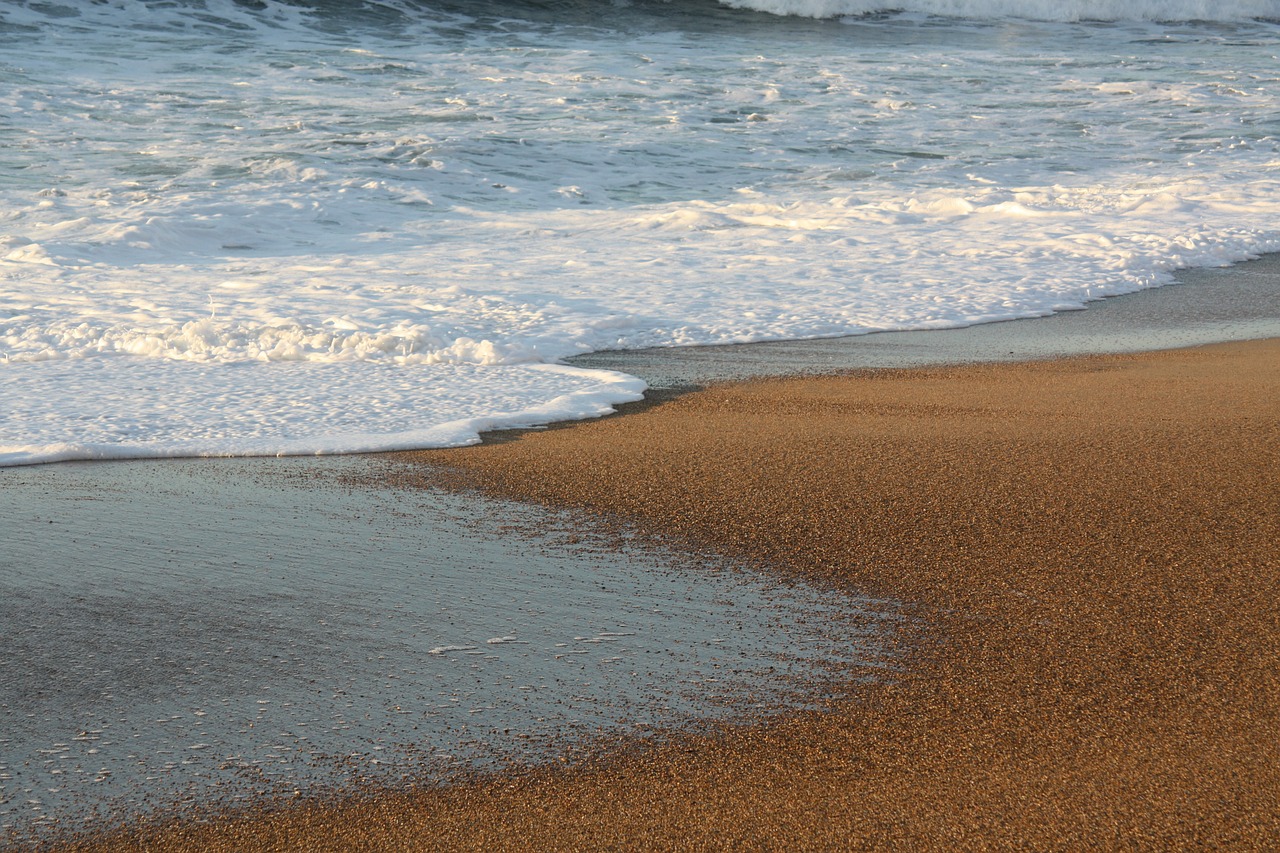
(1089, 546)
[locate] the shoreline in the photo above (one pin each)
(1091, 540)
(1202, 306)
(1199, 305)
(972, 734)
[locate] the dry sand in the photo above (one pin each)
(1092, 545)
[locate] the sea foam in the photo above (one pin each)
(287, 230)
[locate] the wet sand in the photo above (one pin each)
(1090, 545)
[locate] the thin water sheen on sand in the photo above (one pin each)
(186, 632)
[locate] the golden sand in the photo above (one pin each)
(1093, 545)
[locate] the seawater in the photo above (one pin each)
(193, 632)
(282, 227)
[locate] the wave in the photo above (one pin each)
(251, 14)
(1036, 10)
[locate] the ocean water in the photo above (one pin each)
(263, 227)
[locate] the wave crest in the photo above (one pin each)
(1036, 10)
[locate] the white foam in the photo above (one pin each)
(439, 650)
(184, 409)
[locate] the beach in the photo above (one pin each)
(1087, 547)
(691, 423)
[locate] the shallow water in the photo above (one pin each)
(1208, 306)
(182, 631)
